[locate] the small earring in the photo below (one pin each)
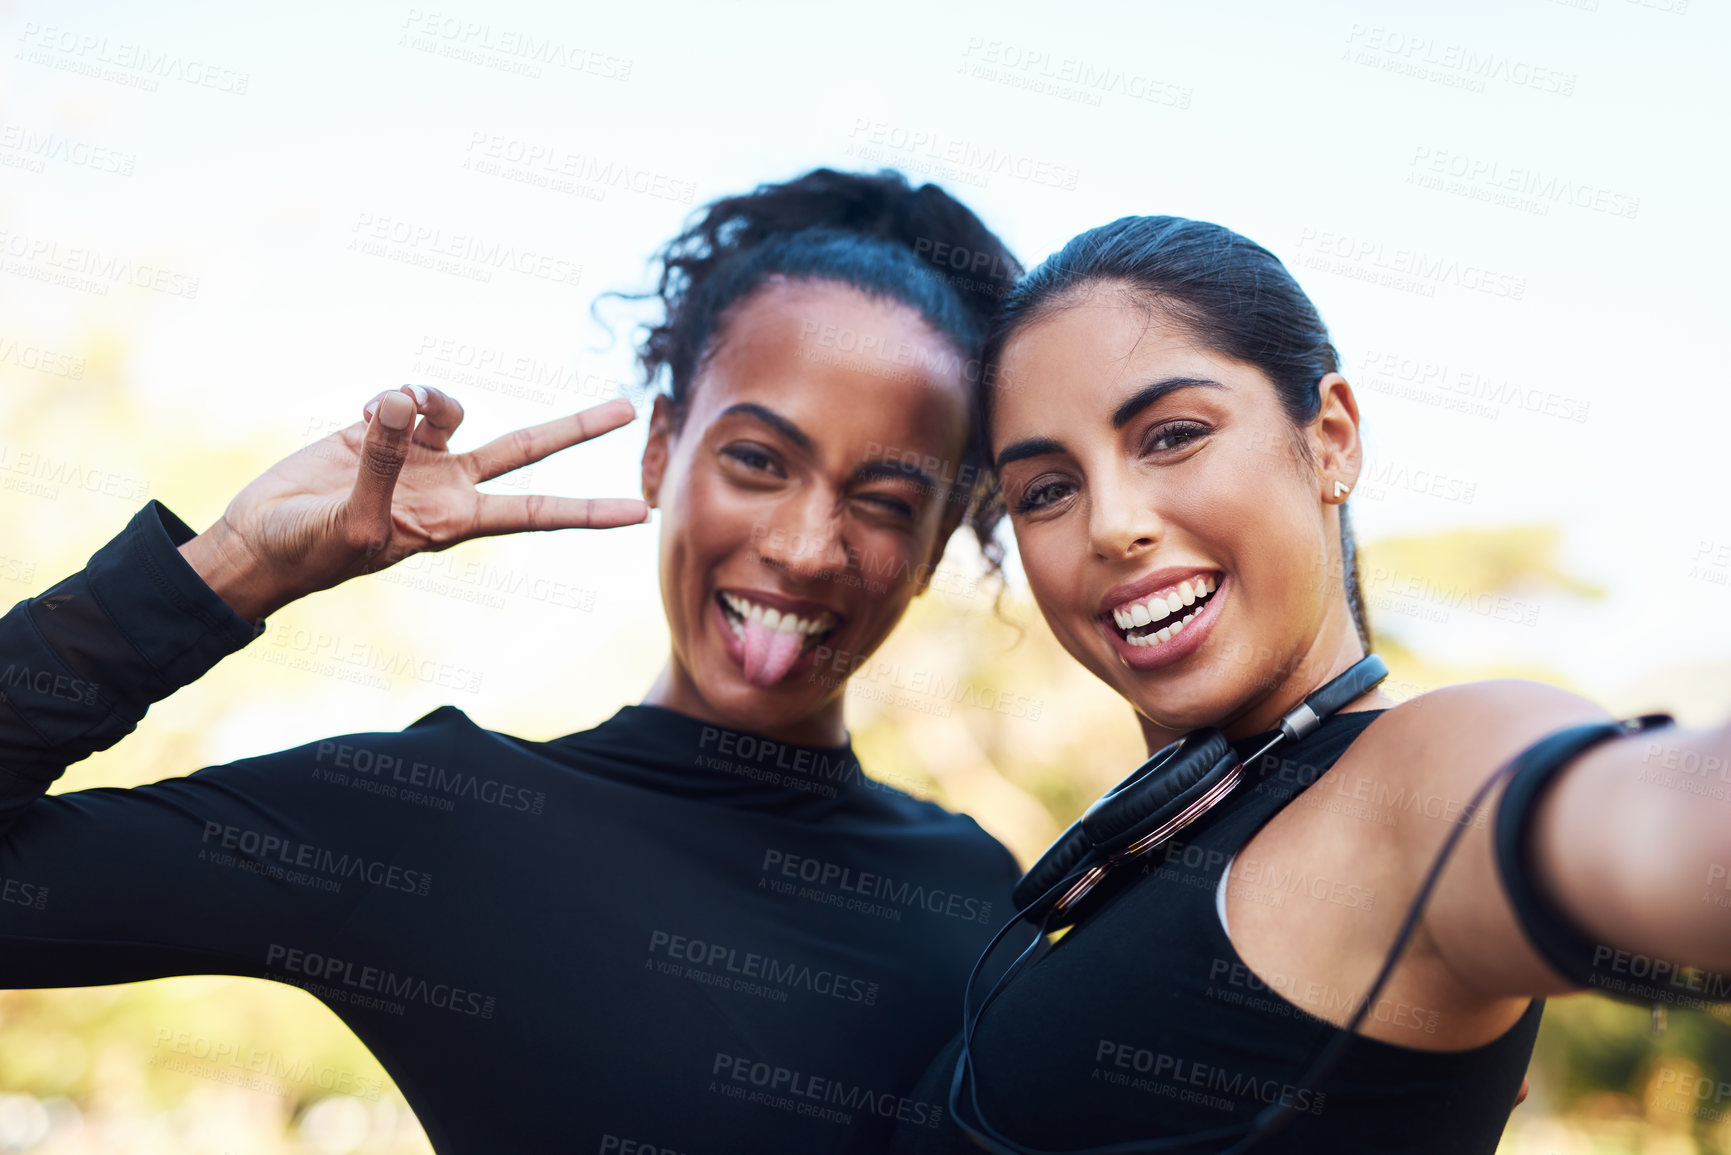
(1341, 490)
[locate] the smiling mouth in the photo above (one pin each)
(773, 641)
(1159, 617)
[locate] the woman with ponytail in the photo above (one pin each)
(1325, 922)
(697, 927)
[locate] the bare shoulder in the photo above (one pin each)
(1458, 736)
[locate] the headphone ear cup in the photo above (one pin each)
(1169, 775)
(1062, 859)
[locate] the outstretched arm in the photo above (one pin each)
(195, 874)
(1630, 845)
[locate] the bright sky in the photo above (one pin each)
(1498, 206)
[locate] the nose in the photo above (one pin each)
(1122, 521)
(804, 539)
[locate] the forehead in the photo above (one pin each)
(1092, 351)
(844, 365)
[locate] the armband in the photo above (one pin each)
(1569, 950)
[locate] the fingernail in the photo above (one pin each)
(396, 411)
(420, 392)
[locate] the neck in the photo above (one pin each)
(1331, 654)
(675, 689)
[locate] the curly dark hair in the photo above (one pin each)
(874, 232)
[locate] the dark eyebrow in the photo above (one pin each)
(1029, 447)
(770, 418)
(1122, 416)
(897, 470)
(1149, 394)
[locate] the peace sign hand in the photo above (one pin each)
(370, 495)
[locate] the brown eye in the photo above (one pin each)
(753, 457)
(1042, 492)
(1174, 435)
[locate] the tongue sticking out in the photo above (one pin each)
(769, 654)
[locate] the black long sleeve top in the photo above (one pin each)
(658, 932)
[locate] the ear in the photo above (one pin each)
(657, 450)
(1334, 437)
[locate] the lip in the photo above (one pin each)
(1158, 580)
(802, 670)
(1166, 653)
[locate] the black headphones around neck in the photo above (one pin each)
(1168, 792)
(1172, 789)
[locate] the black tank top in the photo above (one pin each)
(1144, 1023)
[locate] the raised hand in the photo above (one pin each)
(386, 487)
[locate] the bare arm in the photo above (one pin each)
(1623, 852)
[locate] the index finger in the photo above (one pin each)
(528, 445)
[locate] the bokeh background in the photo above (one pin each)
(222, 230)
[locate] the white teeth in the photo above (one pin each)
(1156, 608)
(774, 619)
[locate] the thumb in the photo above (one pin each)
(382, 455)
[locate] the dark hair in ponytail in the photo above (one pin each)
(1227, 292)
(874, 232)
